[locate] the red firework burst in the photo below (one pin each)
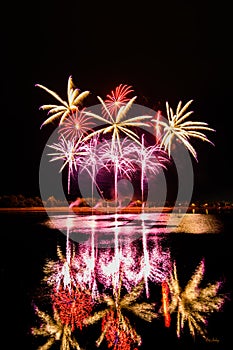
(117, 98)
(73, 306)
(117, 333)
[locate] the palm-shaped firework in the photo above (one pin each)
(180, 129)
(53, 329)
(150, 159)
(61, 273)
(119, 124)
(91, 163)
(71, 152)
(117, 159)
(116, 327)
(193, 304)
(75, 99)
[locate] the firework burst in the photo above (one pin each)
(180, 129)
(118, 98)
(61, 272)
(119, 124)
(150, 159)
(72, 306)
(76, 124)
(75, 99)
(91, 163)
(116, 328)
(71, 152)
(194, 304)
(53, 329)
(117, 160)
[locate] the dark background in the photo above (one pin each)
(168, 51)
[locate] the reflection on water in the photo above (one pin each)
(115, 264)
(131, 227)
(85, 275)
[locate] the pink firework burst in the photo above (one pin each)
(118, 98)
(76, 125)
(71, 152)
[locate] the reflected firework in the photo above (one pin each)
(53, 329)
(116, 327)
(73, 306)
(61, 273)
(194, 304)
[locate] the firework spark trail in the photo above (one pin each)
(86, 266)
(160, 264)
(86, 261)
(75, 99)
(151, 160)
(177, 128)
(120, 161)
(91, 163)
(157, 125)
(131, 271)
(71, 152)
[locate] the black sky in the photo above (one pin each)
(168, 51)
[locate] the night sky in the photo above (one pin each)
(168, 51)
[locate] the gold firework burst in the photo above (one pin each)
(180, 129)
(118, 124)
(194, 304)
(75, 99)
(54, 330)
